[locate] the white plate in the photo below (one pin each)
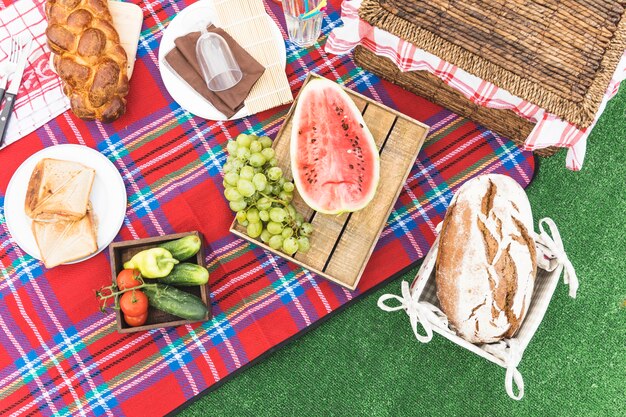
(185, 22)
(108, 196)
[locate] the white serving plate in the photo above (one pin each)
(189, 20)
(108, 196)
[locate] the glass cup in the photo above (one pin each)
(219, 68)
(303, 29)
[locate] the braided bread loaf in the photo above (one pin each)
(88, 57)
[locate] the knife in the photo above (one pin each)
(6, 70)
(11, 93)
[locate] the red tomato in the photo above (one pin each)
(134, 303)
(128, 279)
(134, 321)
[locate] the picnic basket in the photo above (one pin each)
(557, 55)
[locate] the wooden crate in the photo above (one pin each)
(342, 245)
(121, 252)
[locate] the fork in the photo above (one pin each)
(8, 67)
(24, 46)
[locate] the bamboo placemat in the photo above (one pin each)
(559, 55)
(247, 22)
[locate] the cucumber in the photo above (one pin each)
(183, 248)
(175, 301)
(186, 274)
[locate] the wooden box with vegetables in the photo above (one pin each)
(158, 282)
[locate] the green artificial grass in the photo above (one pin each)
(364, 361)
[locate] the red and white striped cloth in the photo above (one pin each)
(40, 97)
(550, 130)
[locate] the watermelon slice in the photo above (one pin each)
(334, 159)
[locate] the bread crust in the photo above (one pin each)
(32, 191)
(89, 57)
(61, 240)
(58, 188)
(486, 264)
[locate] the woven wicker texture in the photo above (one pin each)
(558, 54)
(503, 122)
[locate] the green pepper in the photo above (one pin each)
(152, 263)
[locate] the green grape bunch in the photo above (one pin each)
(261, 197)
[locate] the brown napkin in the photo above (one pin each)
(182, 59)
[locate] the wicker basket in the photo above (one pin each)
(422, 83)
(559, 55)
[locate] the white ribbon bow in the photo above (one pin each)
(422, 312)
(509, 352)
(553, 249)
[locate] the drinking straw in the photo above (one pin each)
(321, 6)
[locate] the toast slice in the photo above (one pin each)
(61, 240)
(59, 188)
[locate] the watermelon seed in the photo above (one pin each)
(351, 166)
(300, 132)
(361, 124)
(313, 140)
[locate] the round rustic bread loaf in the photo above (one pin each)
(486, 264)
(88, 57)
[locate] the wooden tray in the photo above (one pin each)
(342, 245)
(121, 252)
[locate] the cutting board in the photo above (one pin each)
(127, 20)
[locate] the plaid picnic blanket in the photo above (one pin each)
(550, 130)
(60, 355)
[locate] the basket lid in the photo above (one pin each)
(558, 55)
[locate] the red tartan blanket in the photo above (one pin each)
(60, 355)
